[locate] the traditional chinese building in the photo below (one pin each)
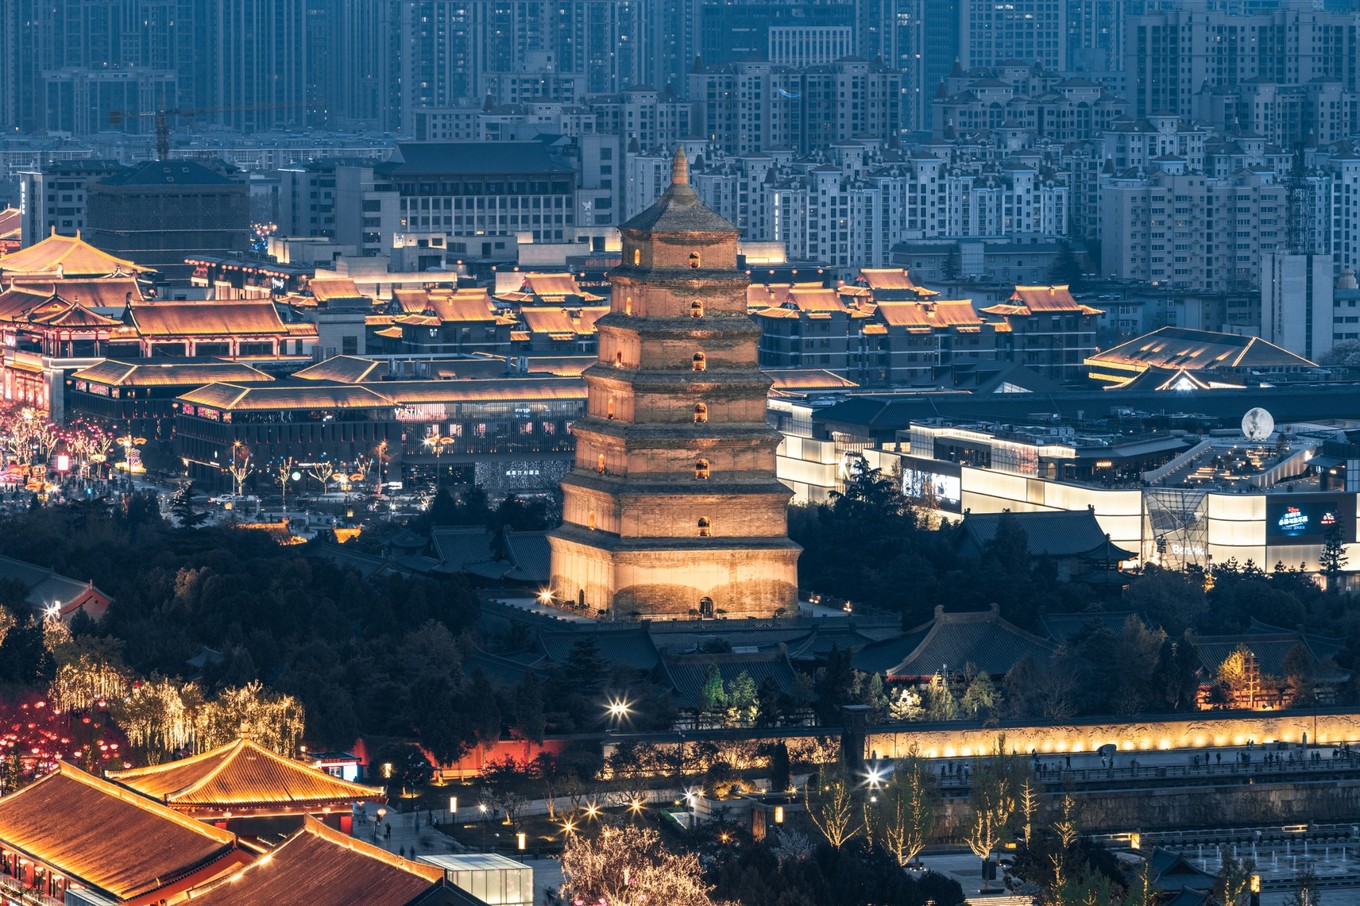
(672, 508)
(318, 865)
(1047, 330)
(71, 833)
(245, 788)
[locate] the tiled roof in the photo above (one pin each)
(285, 395)
(328, 288)
(787, 379)
(70, 315)
(553, 285)
(10, 219)
(318, 866)
(70, 256)
(182, 319)
(45, 586)
(168, 373)
(563, 320)
(1075, 533)
(891, 280)
(343, 369)
(950, 313)
(1193, 350)
(955, 640)
(1271, 650)
(106, 836)
(814, 299)
(621, 645)
(244, 776)
(107, 293)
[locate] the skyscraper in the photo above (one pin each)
(672, 508)
(1030, 31)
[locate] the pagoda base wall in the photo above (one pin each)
(659, 583)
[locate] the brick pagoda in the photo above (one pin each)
(672, 509)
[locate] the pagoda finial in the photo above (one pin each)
(680, 168)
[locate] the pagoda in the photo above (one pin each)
(672, 509)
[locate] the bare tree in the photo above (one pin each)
(992, 802)
(834, 810)
(1066, 824)
(904, 816)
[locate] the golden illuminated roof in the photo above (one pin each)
(789, 379)
(892, 279)
(70, 316)
(815, 298)
(344, 369)
(115, 373)
(107, 292)
(318, 866)
(563, 320)
(391, 333)
(472, 304)
(554, 288)
(327, 288)
(1028, 300)
(66, 256)
(106, 836)
(929, 315)
(284, 395)
(10, 219)
(198, 319)
(243, 776)
(1181, 348)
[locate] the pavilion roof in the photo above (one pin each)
(890, 279)
(68, 256)
(184, 319)
(816, 298)
(319, 865)
(929, 315)
(244, 776)
(1028, 300)
(1183, 348)
(106, 836)
(563, 320)
(59, 312)
(982, 639)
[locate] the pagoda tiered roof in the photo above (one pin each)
(244, 778)
(318, 865)
(111, 838)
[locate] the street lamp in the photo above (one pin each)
(618, 710)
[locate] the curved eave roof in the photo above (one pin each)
(71, 256)
(243, 775)
(106, 836)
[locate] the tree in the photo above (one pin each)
(1065, 825)
(1333, 556)
(939, 699)
(1233, 882)
(833, 810)
(742, 701)
(627, 866)
(982, 698)
(503, 783)
(904, 816)
(991, 802)
(404, 766)
(1306, 891)
(181, 507)
(1299, 675)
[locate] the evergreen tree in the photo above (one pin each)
(1333, 557)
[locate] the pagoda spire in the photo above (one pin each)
(680, 168)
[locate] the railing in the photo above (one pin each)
(15, 890)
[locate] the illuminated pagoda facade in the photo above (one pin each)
(246, 788)
(672, 509)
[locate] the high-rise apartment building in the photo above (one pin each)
(1171, 55)
(1029, 31)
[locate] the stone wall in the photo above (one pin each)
(1163, 733)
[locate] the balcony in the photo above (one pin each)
(16, 891)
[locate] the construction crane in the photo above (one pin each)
(162, 117)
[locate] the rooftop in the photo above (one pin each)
(679, 209)
(473, 159)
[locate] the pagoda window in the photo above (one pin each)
(696, 309)
(637, 257)
(699, 362)
(705, 527)
(706, 607)
(700, 414)
(609, 410)
(590, 520)
(627, 305)
(694, 261)
(599, 464)
(701, 470)
(618, 360)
